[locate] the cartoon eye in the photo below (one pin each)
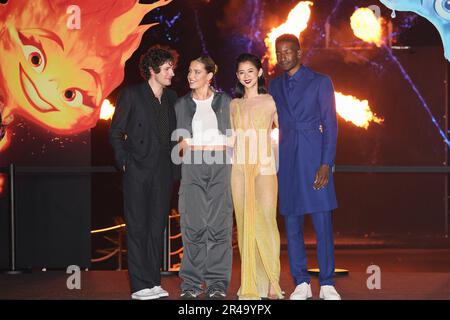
(443, 8)
(73, 97)
(34, 57)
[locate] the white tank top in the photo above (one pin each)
(205, 129)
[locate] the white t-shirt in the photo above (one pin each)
(205, 129)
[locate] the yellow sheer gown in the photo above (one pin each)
(255, 189)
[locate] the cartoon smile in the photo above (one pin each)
(32, 94)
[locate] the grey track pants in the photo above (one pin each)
(206, 211)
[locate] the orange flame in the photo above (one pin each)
(5, 142)
(367, 26)
(355, 111)
(295, 24)
(107, 110)
(2, 183)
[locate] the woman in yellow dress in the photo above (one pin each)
(254, 182)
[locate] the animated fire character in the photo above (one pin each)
(56, 76)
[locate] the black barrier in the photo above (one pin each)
(391, 169)
(12, 171)
(12, 225)
(336, 168)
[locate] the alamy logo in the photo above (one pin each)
(251, 147)
(74, 20)
(376, 10)
(74, 280)
(374, 281)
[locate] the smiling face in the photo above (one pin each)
(248, 74)
(165, 75)
(49, 86)
(198, 77)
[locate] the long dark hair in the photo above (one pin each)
(248, 57)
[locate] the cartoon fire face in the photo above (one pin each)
(56, 76)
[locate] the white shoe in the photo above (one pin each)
(329, 293)
(144, 294)
(160, 291)
(302, 292)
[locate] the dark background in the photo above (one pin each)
(387, 204)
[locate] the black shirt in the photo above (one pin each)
(162, 112)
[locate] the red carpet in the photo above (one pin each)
(405, 274)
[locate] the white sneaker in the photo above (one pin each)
(144, 294)
(160, 291)
(302, 292)
(329, 293)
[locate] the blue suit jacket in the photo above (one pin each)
(308, 137)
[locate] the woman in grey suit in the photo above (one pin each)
(205, 203)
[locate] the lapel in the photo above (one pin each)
(284, 85)
(192, 107)
(149, 105)
(304, 75)
(215, 106)
(170, 104)
(279, 91)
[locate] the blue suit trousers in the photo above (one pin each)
(323, 227)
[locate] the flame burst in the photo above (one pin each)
(295, 24)
(355, 111)
(367, 26)
(107, 110)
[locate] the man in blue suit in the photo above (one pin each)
(308, 136)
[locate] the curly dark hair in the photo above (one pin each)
(154, 58)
